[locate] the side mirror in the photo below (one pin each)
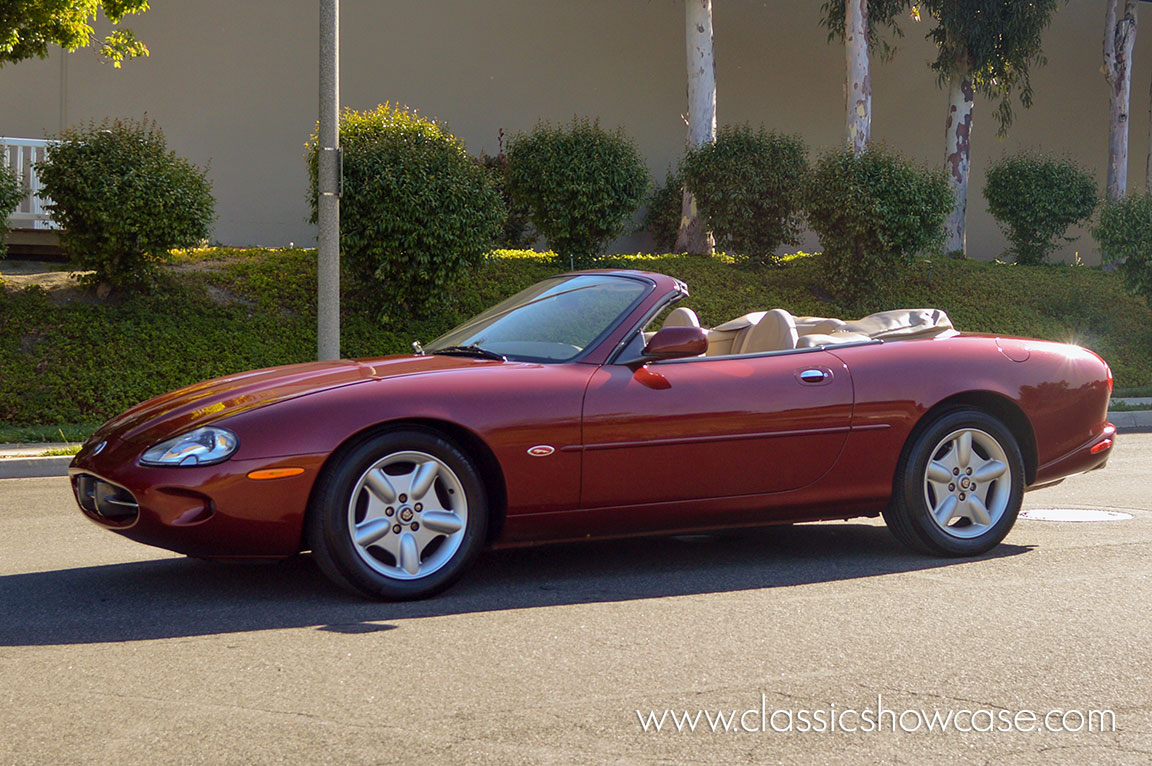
(676, 343)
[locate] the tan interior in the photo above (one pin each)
(776, 330)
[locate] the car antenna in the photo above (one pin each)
(417, 348)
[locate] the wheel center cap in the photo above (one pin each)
(406, 514)
(964, 483)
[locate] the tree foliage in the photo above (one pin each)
(995, 42)
(11, 193)
(416, 209)
(1035, 199)
(581, 184)
(882, 15)
(28, 27)
(1125, 237)
(747, 185)
(873, 214)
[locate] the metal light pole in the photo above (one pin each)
(328, 185)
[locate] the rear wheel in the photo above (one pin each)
(399, 516)
(959, 485)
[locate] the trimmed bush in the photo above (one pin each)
(11, 193)
(665, 205)
(873, 214)
(123, 199)
(516, 233)
(748, 188)
(1125, 237)
(747, 185)
(1035, 199)
(581, 184)
(416, 209)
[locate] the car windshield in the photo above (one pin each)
(552, 321)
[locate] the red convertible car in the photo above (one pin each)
(585, 406)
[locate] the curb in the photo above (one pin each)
(34, 467)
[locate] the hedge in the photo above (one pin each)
(224, 311)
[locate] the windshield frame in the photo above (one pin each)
(643, 295)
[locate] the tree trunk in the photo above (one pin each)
(858, 87)
(692, 237)
(958, 156)
(1119, 39)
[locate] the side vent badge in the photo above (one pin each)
(541, 450)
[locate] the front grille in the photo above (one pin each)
(105, 500)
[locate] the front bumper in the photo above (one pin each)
(209, 511)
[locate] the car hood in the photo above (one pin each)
(209, 401)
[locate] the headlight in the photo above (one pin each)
(204, 446)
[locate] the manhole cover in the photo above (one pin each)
(1072, 514)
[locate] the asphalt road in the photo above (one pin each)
(111, 652)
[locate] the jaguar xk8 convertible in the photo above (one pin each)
(586, 406)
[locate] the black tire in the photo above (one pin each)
(347, 499)
(916, 493)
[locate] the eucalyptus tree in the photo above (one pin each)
(692, 237)
(859, 24)
(989, 47)
(1119, 39)
(28, 27)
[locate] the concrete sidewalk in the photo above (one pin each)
(25, 461)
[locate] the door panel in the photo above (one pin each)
(707, 428)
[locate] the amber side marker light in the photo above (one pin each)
(274, 473)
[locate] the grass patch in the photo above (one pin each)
(224, 310)
(72, 432)
(1115, 406)
(71, 449)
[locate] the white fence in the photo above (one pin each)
(20, 154)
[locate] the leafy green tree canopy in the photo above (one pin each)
(882, 14)
(28, 27)
(996, 41)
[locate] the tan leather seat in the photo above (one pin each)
(830, 339)
(681, 317)
(722, 337)
(776, 331)
(817, 325)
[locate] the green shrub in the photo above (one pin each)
(1125, 237)
(123, 199)
(665, 205)
(11, 193)
(516, 233)
(416, 209)
(873, 214)
(747, 186)
(581, 184)
(1035, 199)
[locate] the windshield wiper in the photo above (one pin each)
(471, 350)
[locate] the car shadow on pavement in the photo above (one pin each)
(175, 597)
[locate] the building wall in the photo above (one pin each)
(234, 85)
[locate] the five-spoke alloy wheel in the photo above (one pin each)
(398, 516)
(958, 486)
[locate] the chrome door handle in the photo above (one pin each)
(814, 376)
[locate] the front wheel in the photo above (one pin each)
(399, 516)
(958, 487)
